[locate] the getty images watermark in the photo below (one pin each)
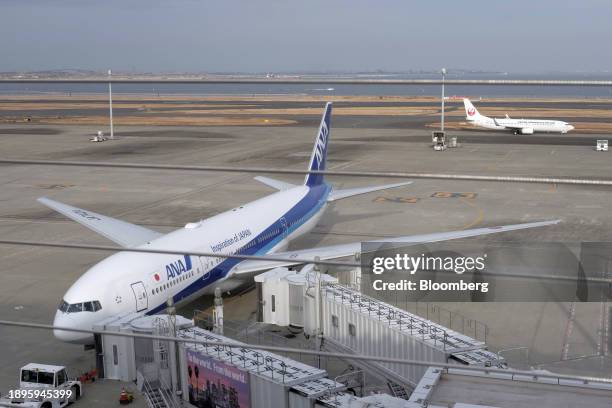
(485, 271)
(411, 264)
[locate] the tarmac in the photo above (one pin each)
(569, 337)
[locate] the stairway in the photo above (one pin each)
(155, 398)
(398, 390)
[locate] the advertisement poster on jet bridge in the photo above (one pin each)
(215, 384)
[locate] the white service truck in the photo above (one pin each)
(42, 386)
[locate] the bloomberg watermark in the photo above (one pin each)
(487, 271)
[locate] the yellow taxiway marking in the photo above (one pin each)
(480, 216)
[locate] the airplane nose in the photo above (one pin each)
(62, 320)
(570, 127)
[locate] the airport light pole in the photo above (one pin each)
(110, 104)
(443, 72)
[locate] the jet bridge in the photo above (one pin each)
(345, 320)
(363, 325)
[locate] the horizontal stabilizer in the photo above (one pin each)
(277, 184)
(350, 192)
(123, 233)
(344, 250)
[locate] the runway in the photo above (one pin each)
(384, 112)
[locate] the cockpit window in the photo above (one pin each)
(92, 306)
(63, 307)
(75, 307)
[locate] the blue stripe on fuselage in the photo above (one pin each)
(297, 216)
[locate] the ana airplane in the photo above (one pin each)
(517, 126)
(128, 282)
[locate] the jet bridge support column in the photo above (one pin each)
(317, 271)
(218, 312)
(174, 354)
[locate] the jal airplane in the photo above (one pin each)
(128, 282)
(517, 126)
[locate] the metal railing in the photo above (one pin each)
(167, 395)
(257, 333)
(301, 79)
(261, 362)
(190, 339)
(394, 317)
(344, 173)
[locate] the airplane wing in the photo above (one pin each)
(277, 184)
(343, 250)
(524, 130)
(123, 233)
(514, 127)
(350, 192)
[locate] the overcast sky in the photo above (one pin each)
(307, 35)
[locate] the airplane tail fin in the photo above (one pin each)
(319, 152)
(471, 113)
